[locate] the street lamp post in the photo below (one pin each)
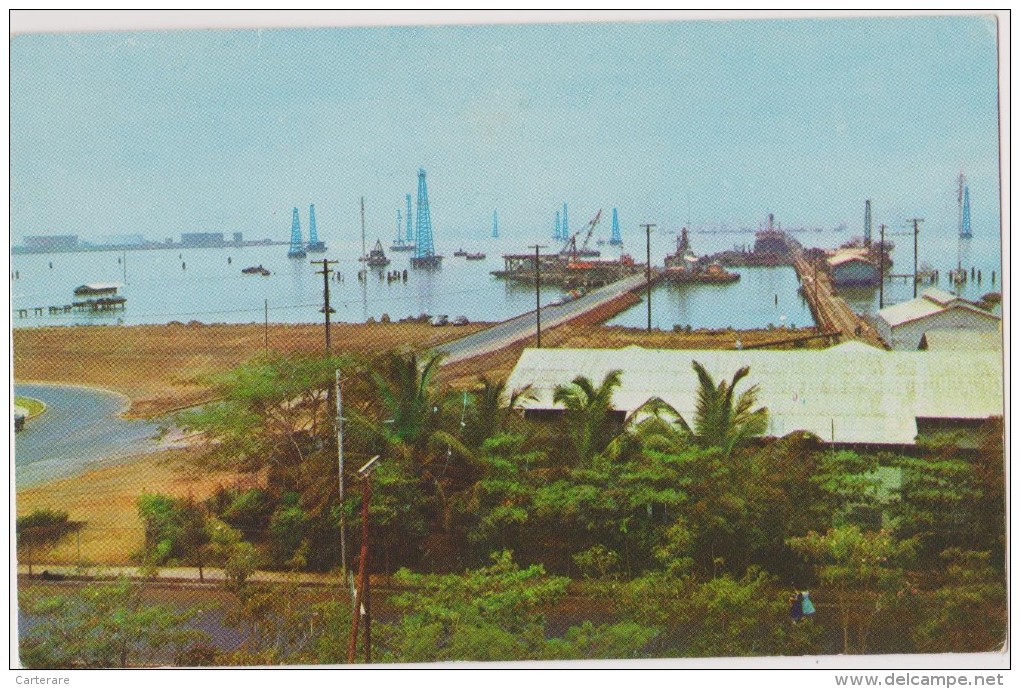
(538, 300)
(361, 599)
(648, 270)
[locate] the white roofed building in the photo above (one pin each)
(903, 325)
(849, 394)
(850, 269)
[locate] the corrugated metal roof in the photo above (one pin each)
(840, 259)
(940, 296)
(961, 341)
(851, 393)
(930, 302)
(101, 285)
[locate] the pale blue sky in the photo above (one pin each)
(713, 121)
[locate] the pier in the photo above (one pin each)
(566, 271)
(831, 312)
(596, 306)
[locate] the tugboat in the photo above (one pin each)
(255, 270)
(684, 267)
(377, 257)
(460, 252)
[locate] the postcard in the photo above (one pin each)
(665, 340)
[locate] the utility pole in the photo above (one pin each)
(340, 464)
(538, 300)
(325, 294)
(266, 331)
(881, 267)
(648, 270)
(364, 253)
(361, 598)
(915, 221)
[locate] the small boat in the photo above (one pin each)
(255, 270)
(474, 257)
(460, 252)
(377, 257)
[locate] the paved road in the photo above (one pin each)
(523, 327)
(79, 430)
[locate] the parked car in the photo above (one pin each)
(440, 320)
(460, 320)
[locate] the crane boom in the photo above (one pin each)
(591, 229)
(570, 249)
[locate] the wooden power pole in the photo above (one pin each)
(325, 296)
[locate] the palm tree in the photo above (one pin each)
(491, 409)
(406, 389)
(589, 426)
(718, 420)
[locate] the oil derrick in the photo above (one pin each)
(410, 237)
(557, 235)
(495, 225)
(424, 251)
(965, 232)
(314, 245)
(296, 247)
(615, 239)
(399, 244)
(867, 222)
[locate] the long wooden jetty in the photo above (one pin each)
(831, 312)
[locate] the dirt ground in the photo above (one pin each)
(166, 367)
(105, 500)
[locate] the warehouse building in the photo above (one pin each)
(852, 270)
(903, 325)
(850, 394)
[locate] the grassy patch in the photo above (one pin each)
(34, 407)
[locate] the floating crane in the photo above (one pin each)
(571, 251)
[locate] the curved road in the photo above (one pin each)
(80, 430)
(523, 326)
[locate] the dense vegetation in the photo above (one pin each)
(679, 537)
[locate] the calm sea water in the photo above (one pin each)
(200, 284)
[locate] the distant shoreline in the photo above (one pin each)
(22, 250)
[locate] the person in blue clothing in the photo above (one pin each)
(807, 607)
